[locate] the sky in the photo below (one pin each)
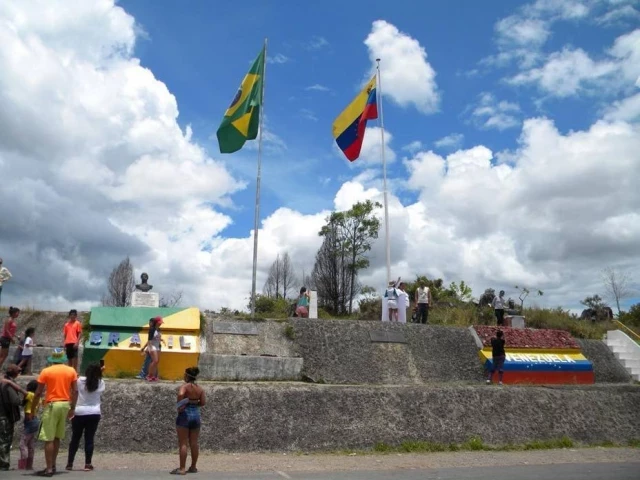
(512, 138)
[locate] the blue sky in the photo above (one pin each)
(512, 127)
(201, 53)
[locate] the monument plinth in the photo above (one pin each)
(145, 299)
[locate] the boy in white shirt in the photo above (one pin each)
(27, 351)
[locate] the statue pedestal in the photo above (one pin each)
(313, 304)
(145, 299)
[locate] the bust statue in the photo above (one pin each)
(144, 286)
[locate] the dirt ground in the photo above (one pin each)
(294, 462)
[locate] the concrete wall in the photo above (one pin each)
(249, 368)
(606, 367)
(140, 417)
(341, 351)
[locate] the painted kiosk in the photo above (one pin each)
(536, 356)
(118, 333)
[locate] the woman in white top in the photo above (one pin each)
(87, 414)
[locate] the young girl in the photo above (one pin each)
(9, 333)
(27, 351)
(153, 347)
(302, 309)
(391, 295)
(31, 426)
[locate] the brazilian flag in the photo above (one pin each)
(242, 118)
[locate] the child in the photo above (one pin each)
(498, 356)
(31, 425)
(391, 294)
(27, 351)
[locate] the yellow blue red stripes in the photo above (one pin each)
(349, 127)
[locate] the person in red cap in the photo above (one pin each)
(153, 347)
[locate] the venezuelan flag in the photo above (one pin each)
(349, 127)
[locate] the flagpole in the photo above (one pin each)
(256, 221)
(384, 173)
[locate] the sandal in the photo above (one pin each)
(69, 467)
(176, 471)
(88, 468)
(44, 473)
(192, 470)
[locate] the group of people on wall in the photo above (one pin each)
(396, 302)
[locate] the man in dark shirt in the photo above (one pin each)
(498, 354)
(10, 400)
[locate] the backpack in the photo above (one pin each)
(12, 409)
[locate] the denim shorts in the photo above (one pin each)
(189, 418)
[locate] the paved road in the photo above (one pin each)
(591, 471)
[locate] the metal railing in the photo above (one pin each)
(635, 336)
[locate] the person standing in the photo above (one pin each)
(5, 275)
(26, 351)
(391, 294)
(191, 398)
(60, 382)
(302, 308)
(153, 347)
(87, 414)
(497, 355)
(9, 329)
(423, 300)
(10, 400)
(29, 430)
(72, 332)
(498, 307)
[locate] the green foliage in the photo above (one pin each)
(632, 317)
(203, 322)
(474, 443)
(348, 236)
(524, 293)
(86, 327)
(289, 332)
(272, 307)
(382, 447)
(564, 442)
(559, 319)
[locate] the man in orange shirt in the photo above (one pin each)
(59, 380)
(72, 333)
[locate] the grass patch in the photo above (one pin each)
(289, 332)
(635, 443)
(564, 442)
(476, 444)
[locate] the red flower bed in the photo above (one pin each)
(528, 337)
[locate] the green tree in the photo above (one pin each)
(348, 236)
(632, 317)
(524, 293)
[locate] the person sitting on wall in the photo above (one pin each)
(9, 329)
(302, 309)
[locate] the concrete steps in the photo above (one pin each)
(626, 350)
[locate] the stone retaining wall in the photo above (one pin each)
(341, 351)
(140, 417)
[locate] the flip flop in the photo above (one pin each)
(192, 470)
(44, 473)
(177, 471)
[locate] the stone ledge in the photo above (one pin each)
(140, 417)
(249, 368)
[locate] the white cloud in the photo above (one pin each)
(100, 169)
(371, 151)
(316, 43)
(407, 77)
(620, 15)
(491, 113)
(572, 71)
(278, 59)
(318, 88)
(414, 146)
(627, 110)
(451, 141)
(308, 114)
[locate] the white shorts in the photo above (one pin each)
(391, 304)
